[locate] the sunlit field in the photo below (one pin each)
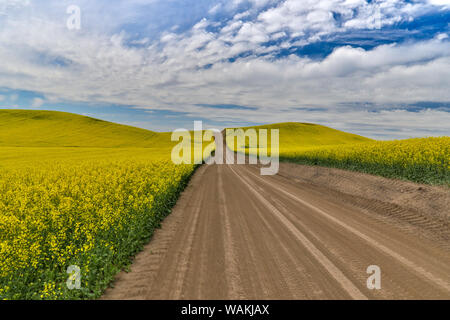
(94, 214)
(91, 207)
(424, 160)
(300, 135)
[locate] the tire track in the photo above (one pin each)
(337, 274)
(445, 284)
(237, 235)
(231, 261)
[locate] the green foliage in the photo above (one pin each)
(420, 160)
(78, 191)
(35, 128)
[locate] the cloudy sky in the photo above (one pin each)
(377, 68)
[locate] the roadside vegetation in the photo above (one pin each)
(422, 160)
(89, 199)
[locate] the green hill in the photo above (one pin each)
(35, 128)
(294, 135)
(32, 128)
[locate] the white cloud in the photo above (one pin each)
(104, 69)
(8, 5)
(216, 8)
(439, 2)
(179, 71)
(37, 103)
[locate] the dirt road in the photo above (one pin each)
(237, 235)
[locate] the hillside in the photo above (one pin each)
(422, 160)
(33, 128)
(294, 135)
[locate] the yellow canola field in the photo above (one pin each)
(89, 208)
(425, 160)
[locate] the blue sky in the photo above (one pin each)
(377, 68)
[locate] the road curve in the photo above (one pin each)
(235, 234)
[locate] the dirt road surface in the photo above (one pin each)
(235, 234)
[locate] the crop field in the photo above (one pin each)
(423, 160)
(92, 207)
(83, 196)
(32, 128)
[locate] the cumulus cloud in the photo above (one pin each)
(233, 61)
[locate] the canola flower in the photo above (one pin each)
(424, 160)
(94, 214)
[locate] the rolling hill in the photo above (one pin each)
(33, 128)
(422, 160)
(294, 135)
